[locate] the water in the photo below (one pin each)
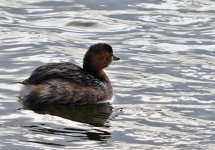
(163, 85)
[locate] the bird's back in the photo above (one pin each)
(65, 71)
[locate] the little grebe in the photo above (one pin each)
(67, 83)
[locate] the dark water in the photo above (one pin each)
(164, 85)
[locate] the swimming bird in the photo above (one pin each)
(67, 83)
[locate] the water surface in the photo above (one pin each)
(163, 84)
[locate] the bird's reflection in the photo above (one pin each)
(93, 114)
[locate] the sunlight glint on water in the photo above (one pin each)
(163, 84)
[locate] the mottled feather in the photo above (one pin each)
(65, 71)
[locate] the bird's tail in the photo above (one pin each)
(18, 82)
(22, 82)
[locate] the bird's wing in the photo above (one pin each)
(66, 71)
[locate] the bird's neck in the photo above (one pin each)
(98, 73)
(95, 70)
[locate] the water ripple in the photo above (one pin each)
(163, 84)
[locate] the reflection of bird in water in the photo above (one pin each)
(66, 83)
(93, 114)
(96, 115)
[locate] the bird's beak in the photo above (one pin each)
(115, 58)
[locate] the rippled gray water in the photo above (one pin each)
(164, 84)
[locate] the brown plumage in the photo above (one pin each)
(66, 83)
